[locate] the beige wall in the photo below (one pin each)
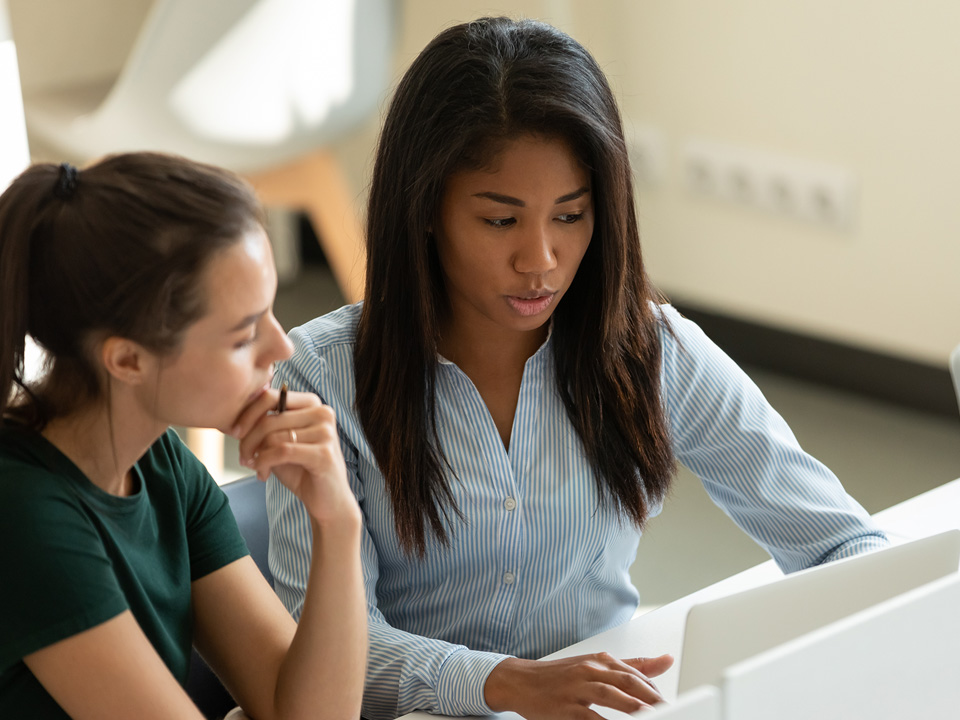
(872, 87)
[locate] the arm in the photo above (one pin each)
(111, 671)
(405, 671)
(276, 667)
(750, 463)
(71, 636)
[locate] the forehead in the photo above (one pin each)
(241, 277)
(533, 160)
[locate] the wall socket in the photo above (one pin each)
(815, 192)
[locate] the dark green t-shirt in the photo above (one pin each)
(74, 556)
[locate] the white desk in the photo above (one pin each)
(661, 631)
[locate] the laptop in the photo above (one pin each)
(724, 631)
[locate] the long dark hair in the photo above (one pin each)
(115, 249)
(472, 88)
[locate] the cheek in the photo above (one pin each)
(213, 383)
(463, 257)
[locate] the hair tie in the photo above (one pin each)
(67, 182)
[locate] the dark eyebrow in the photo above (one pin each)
(505, 199)
(572, 196)
(508, 200)
(248, 320)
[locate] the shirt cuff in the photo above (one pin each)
(862, 544)
(462, 678)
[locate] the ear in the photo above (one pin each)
(125, 360)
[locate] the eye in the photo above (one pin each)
(500, 222)
(570, 218)
(248, 341)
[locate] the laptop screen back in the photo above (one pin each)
(727, 630)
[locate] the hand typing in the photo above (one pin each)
(566, 688)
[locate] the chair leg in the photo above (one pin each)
(317, 185)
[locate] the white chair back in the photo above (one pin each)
(197, 65)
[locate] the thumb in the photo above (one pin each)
(651, 667)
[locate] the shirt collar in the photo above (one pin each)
(444, 361)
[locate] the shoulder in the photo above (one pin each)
(328, 332)
(683, 341)
(697, 376)
(178, 484)
(28, 467)
(38, 497)
(322, 360)
(169, 458)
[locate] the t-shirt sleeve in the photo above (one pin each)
(56, 580)
(213, 537)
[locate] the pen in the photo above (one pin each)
(282, 405)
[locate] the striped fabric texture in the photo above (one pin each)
(539, 562)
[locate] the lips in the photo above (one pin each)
(531, 304)
(260, 390)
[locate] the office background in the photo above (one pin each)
(796, 171)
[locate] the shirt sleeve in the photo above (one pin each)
(57, 579)
(405, 672)
(749, 461)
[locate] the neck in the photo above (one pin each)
(104, 451)
(490, 349)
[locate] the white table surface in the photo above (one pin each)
(661, 631)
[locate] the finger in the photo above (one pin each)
(314, 424)
(627, 677)
(258, 408)
(316, 459)
(610, 696)
(633, 684)
(277, 455)
(651, 667)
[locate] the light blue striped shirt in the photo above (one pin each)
(538, 564)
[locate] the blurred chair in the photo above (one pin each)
(249, 504)
(955, 370)
(259, 86)
(263, 87)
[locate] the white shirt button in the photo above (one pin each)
(510, 504)
(508, 578)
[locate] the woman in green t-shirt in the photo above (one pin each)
(149, 281)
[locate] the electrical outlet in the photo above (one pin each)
(647, 149)
(790, 187)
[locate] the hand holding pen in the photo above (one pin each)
(294, 436)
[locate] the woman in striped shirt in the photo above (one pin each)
(512, 396)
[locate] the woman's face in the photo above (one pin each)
(511, 236)
(225, 360)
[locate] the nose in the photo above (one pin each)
(278, 346)
(535, 251)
